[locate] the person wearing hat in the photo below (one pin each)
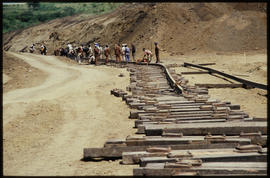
(157, 49)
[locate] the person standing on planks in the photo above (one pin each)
(157, 49)
(133, 50)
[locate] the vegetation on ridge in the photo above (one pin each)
(22, 15)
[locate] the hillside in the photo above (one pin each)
(180, 28)
(21, 15)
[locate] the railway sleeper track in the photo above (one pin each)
(182, 131)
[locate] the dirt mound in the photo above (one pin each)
(18, 74)
(180, 28)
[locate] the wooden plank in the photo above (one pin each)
(194, 72)
(134, 157)
(224, 156)
(161, 159)
(230, 85)
(232, 168)
(182, 140)
(246, 82)
(206, 155)
(200, 121)
(241, 157)
(178, 120)
(139, 113)
(234, 106)
(191, 114)
(222, 168)
(205, 64)
(116, 151)
(228, 128)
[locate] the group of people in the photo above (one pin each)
(122, 53)
(84, 52)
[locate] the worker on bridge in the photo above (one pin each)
(157, 49)
(147, 55)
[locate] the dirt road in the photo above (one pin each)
(46, 127)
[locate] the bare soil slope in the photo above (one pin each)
(19, 74)
(180, 28)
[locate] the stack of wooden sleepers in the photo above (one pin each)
(187, 133)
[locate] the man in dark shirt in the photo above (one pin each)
(157, 52)
(133, 50)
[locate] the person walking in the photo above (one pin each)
(157, 49)
(127, 51)
(133, 50)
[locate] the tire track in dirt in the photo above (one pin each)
(90, 116)
(59, 75)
